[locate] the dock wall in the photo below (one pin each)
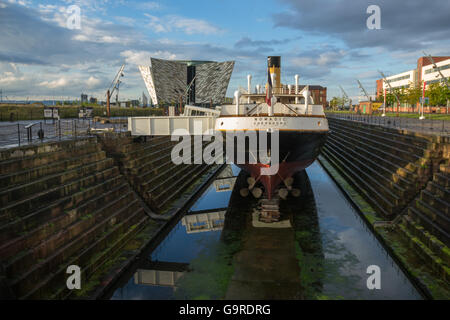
(403, 179)
(83, 202)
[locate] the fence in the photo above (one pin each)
(428, 126)
(27, 132)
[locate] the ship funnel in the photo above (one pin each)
(274, 66)
(258, 87)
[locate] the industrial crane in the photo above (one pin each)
(114, 87)
(391, 91)
(346, 97)
(364, 90)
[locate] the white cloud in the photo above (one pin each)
(151, 5)
(58, 83)
(23, 3)
(177, 23)
(92, 82)
(143, 57)
(126, 20)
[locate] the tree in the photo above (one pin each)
(390, 99)
(438, 94)
(413, 95)
(334, 102)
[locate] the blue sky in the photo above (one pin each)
(326, 42)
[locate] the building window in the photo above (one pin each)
(447, 66)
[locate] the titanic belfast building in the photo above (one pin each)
(193, 82)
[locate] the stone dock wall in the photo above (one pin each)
(404, 178)
(82, 202)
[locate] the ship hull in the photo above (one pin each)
(297, 150)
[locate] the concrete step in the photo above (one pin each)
(161, 187)
(140, 149)
(391, 134)
(18, 209)
(392, 163)
(426, 254)
(27, 282)
(43, 148)
(93, 258)
(46, 154)
(380, 191)
(147, 171)
(48, 182)
(135, 146)
(439, 191)
(444, 168)
(176, 190)
(21, 177)
(385, 210)
(38, 225)
(53, 242)
(156, 184)
(408, 153)
(376, 170)
(441, 179)
(437, 203)
(148, 177)
(433, 243)
(439, 218)
(137, 164)
(422, 219)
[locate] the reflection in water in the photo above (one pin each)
(349, 248)
(194, 242)
(334, 249)
(204, 221)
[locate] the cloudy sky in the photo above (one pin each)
(326, 42)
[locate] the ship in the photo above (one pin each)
(289, 110)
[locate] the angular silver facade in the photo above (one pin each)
(167, 81)
(212, 80)
(148, 80)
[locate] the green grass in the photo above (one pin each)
(36, 112)
(432, 116)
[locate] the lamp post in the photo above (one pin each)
(423, 100)
(249, 87)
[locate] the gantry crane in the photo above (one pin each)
(114, 87)
(364, 90)
(391, 91)
(346, 97)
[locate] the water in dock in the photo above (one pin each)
(214, 252)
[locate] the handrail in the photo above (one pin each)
(31, 125)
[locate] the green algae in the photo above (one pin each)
(211, 272)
